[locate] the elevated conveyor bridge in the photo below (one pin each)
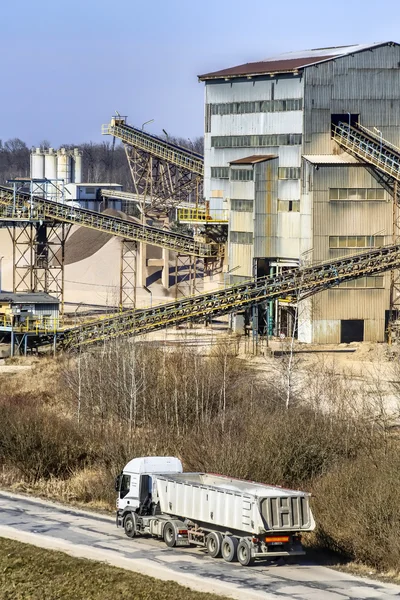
(163, 172)
(299, 283)
(23, 206)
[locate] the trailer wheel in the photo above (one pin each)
(130, 525)
(169, 535)
(244, 553)
(213, 544)
(229, 548)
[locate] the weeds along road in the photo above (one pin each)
(95, 536)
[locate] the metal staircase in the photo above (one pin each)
(369, 147)
(23, 206)
(181, 157)
(299, 283)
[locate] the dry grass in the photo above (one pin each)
(30, 572)
(216, 416)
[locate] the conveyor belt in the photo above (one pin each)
(369, 147)
(177, 155)
(23, 206)
(299, 283)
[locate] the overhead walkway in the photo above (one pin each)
(299, 283)
(177, 155)
(23, 206)
(370, 147)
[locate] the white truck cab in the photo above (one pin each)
(135, 483)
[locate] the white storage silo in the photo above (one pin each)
(64, 165)
(50, 172)
(77, 162)
(37, 164)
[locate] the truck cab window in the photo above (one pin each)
(125, 485)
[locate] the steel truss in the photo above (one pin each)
(127, 290)
(22, 205)
(299, 283)
(188, 270)
(163, 173)
(39, 256)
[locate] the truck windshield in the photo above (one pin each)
(125, 485)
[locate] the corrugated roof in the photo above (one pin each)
(290, 61)
(28, 298)
(254, 158)
(332, 159)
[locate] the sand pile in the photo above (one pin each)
(84, 242)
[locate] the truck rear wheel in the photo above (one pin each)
(169, 535)
(130, 525)
(229, 548)
(244, 553)
(213, 544)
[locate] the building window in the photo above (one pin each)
(356, 194)
(220, 172)
(90, 191)
(255, 141)
(258, 106)
(356, 241)
(289, 172)
(242, 205)
(207, 118)
(288, 205)
(363, 283)
(241, 174)
(241, 237)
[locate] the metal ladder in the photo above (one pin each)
(299, 283)
(369, 147)
(23, 206)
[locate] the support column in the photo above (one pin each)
(127, 290)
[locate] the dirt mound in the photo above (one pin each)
(85, 242)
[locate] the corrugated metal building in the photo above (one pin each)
(304, 200)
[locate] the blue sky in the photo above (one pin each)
(68, 65)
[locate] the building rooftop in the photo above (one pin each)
(28, 298)
(290, 62)
(333, 159)
(253, 159)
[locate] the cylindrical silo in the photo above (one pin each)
(64, 165)
(37, 164)
(50, 172)
(77, 162)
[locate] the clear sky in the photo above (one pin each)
(67, 65)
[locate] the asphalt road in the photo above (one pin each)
(95, 536)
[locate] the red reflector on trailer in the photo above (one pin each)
(280, 539)
(182, 531)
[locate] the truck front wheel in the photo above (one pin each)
(229, 548)
(244, 553)
(130, 525)
(169, 535)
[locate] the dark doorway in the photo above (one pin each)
(344, 118)
(351, 331)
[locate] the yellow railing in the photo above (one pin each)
(39, 325)
(202, 215)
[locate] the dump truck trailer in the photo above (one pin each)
(236, 519)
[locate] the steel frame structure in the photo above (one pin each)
(127, 289)
(39, 256)
(163, 173)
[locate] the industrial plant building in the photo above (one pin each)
(293, 195)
